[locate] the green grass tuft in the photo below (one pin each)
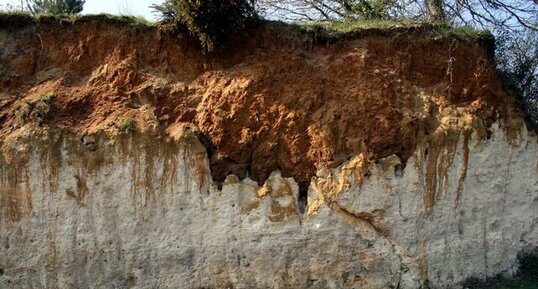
(127, 124)
(131, 20)
(464, 32)
(350, 26)
(48, 96)
(336, 29)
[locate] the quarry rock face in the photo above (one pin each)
(285, 164)
(151, 217)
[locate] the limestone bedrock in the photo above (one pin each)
(140, 212)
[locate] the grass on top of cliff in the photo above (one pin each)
(334, 29)
(21, 19)
(330, 29)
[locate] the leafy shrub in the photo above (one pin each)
(517, 59)
(528, 275)
(211, 21)
(369, 9)
(528, 262)
(15, 19)
(167, 11)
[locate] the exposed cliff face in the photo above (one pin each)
(416, 163)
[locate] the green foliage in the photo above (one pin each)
(15, 19)
(520, 283)
(517, 59)
(123, 19)
(336, 28)
(21, 118)
(527, 279)
(127, 124)
(48, 96)
(211, 21)
(39, 113)
(55, 7)
(369, 9)
(38, 110)
(140, 20)
(463, 32)
(137, 21)
(528, 263)
(21, 19)
(167, 11)
(350, 26)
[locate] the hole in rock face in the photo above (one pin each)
(399, 170)
(1, 271)
(302, 200)
(207, 143)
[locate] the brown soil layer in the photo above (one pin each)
(281, 98)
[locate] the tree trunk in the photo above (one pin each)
(435, 10)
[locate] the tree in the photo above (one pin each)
(517, 58)
(211, 21)
(477, 13)
(311, 10)
(493, 14)
(435, 10)
(54, 7)
(167, 11)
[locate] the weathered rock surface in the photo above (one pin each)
(144, 213)
(388, 159)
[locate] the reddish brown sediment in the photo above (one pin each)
(279, 99)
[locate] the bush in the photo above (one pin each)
(517, 59)
(211, 21)
(528, 263)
